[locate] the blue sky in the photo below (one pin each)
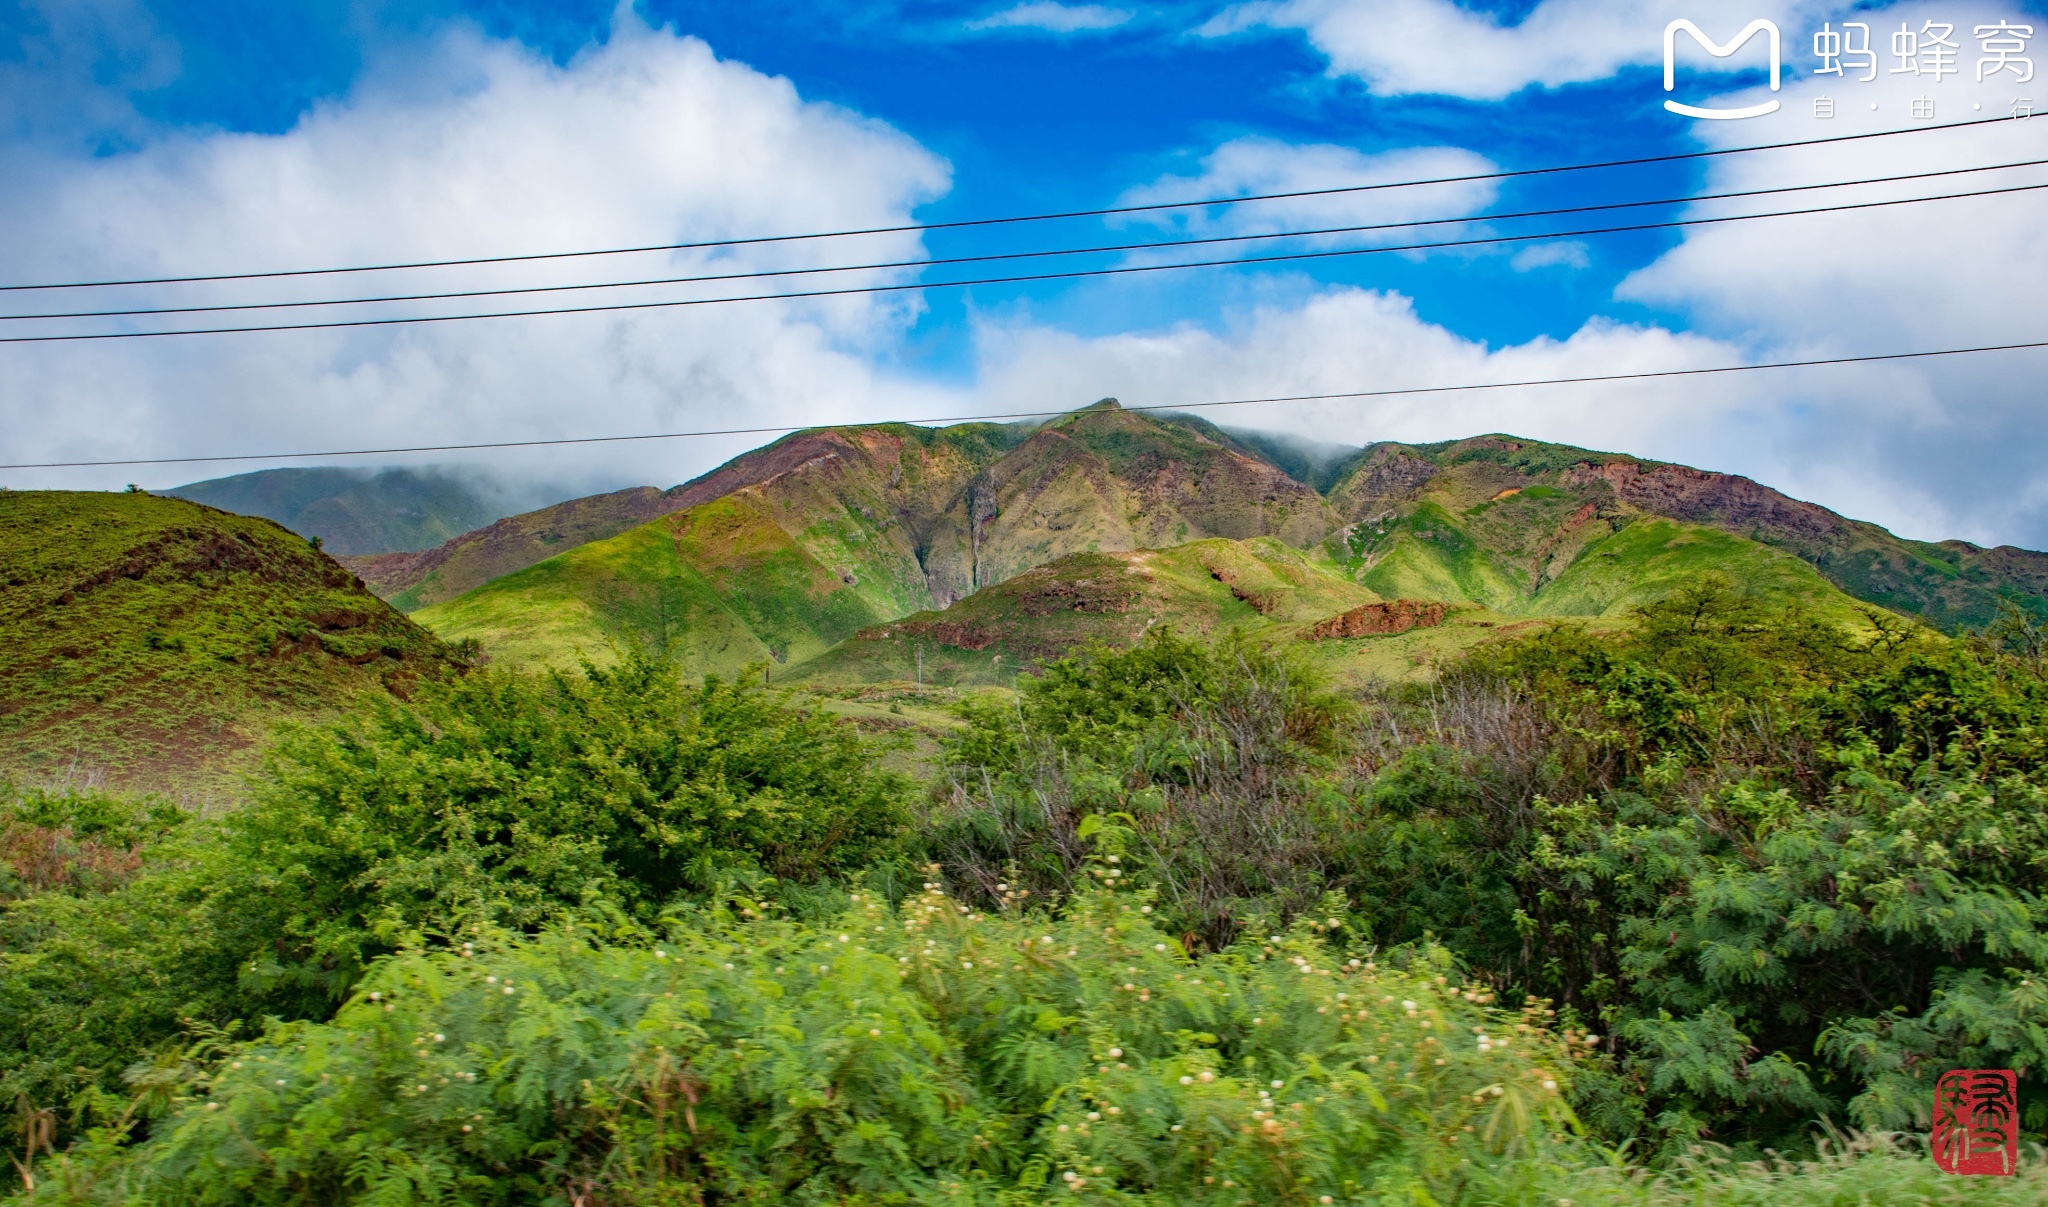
(200, 136)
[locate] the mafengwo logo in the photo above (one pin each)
(1720, 51)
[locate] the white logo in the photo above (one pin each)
(1720, 52)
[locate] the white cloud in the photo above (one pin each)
(1261, 166)
(1438, 46)
(1345, 340)
(1569, 254)
(472, 147)
(1941, 447)
(1055, 18)
(1934, 448)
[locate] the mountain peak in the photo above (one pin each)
(1106, 404)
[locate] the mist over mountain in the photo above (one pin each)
(359, 511)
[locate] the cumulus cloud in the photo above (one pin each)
(1441, 47)
(466, 147)
(1930, 448)
(1052, 17)
(1941, 448)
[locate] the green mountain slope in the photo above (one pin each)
(360, 511)
(414, 580)
(906, 472)
(715, 587)
(153, 640)
(869, 524)
(1502, 520)
(1105, 479)
(821, 536)
(1266, 588)
(1261, 585)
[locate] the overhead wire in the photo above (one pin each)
(995, 257)
(966, 223)
(1025, 278)
(1349, 395)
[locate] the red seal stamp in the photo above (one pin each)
(1977, 1121)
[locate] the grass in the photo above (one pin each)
(1430, 556)
(152, 641)
(1648, 559)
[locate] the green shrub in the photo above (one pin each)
(933, 1054)
(1226, 758)
(498, 798)
(1791, 872)
(505, 796)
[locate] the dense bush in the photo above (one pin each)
(1227, 761)
(1793, 872)
(496, 798)
(504, 796)
(931, 1053)
(922, 1054)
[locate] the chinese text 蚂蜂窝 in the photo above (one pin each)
(1932, 50)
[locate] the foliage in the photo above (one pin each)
(1796, 873)
(1792, 871)
(78, 842)
(1219, 755)
(931, 1054)
(1776, 875)
(498, 798)
(925, 1054)
(505, 796)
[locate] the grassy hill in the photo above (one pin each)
(1508, 522)
(428, 576)
(151, 641)
(715, 587)
(1105, 479)
(1267, 588)
(362, 511)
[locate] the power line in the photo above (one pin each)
(992, 257)
(1413, 391)
(1025, 278)
(962, 224)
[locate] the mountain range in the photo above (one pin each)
(786, 551)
